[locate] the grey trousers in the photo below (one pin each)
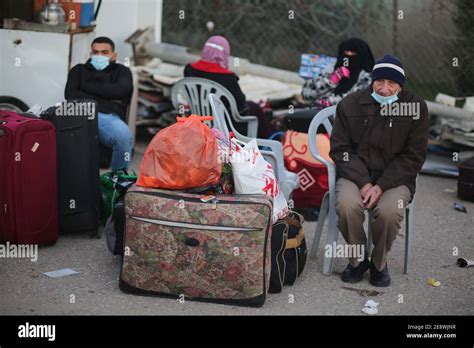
(388, 215)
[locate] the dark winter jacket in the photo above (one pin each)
(380, 145)
(225, 77)
(112, 87)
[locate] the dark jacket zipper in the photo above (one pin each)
(368, 137)
(391, 142)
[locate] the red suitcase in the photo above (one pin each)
(28, 185)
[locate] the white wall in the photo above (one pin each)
(118, 19)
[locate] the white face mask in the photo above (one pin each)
(100, 62)
(384, 100)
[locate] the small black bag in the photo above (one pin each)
(300, 120)
(289, 251)
(466, 180)
(278, 264)
(115, 228)
(116, 185)
(295, 250)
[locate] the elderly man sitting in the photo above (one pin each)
(379, 143)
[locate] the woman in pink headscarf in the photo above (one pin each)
(214, 65)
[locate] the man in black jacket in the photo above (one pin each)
(379, 143)
(111, 85)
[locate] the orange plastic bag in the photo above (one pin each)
(182, 156)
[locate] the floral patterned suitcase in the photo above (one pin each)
(210, 248)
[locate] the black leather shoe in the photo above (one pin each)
(355, 274)
(379, 278)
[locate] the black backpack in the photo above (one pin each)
(115, 228)
(289, 252)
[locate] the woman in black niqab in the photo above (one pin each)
(355, 54)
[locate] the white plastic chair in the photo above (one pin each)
(222, 121)
(328, 205)
(196, 92)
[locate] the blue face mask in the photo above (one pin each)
(384, 100)
(100, 62)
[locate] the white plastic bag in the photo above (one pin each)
(254, 175)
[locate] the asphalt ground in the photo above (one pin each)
(440, 235)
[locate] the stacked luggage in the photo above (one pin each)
(204, 221)
(186, 235)
(49, 173)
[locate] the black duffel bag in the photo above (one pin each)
(300, 119)
(466, 180)
(289, 251)
(115, 228)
